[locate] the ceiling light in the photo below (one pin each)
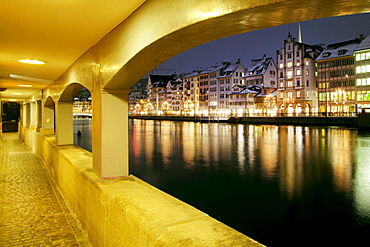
(17, 93)
(27, 78)
(30, 61)
(24, 85)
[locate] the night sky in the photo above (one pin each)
(254, 45)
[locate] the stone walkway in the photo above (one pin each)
(32, 210)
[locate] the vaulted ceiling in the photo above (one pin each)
(56, 32)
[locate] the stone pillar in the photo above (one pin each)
(26, 115)
(64, 123)
(39, 115)
(47, 127)
(33, 115)
(110, 133)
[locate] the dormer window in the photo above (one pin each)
(326, 54)
(342, 52)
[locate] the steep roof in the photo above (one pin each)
(340, 49)
(258, 66)
(161, 80)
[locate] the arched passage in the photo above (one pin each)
(157, 31)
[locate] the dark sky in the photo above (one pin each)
(255, 44)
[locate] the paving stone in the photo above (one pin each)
(32, 210)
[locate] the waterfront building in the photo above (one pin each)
(203, 92)
(241, 100)
(336, 78)
(221, 80)
(137, 97)
(362, 74)
(296, 89)
(157, 92)
(262, 72)
(173, 105)
(82, 105)
(191, 93)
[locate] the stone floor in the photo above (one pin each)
(33, 212)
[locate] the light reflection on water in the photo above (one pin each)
(281, 185)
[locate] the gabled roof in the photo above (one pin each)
(340, 49)
(258, 66)
(161, 80)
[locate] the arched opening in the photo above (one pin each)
(48, 126)
(10, 116)
(82, 119)
(73, 117)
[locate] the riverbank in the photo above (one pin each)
(320, 121)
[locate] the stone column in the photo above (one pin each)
(64, 123)
(47, 127)
(110, 133)
(33, 115)
(26, 115)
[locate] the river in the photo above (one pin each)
(280, 185)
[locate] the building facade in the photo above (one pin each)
(262, 73)
(336, 78)
(296, 89)
(362, 68)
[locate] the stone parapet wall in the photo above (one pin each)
(127, 211)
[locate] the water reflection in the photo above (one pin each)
(278, 185)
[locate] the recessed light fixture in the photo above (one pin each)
(31, 61)
(24, 85)
(17, 93)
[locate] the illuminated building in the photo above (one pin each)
(241, 100)
(336, 78)
(157, 92)
(362, 74)
(262, 73)
(296, 89)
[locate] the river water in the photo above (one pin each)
(280, 185)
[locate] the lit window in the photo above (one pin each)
(281, 65)
(298, 94)
(289, 64)
(358, 57)
(307, 63)
(298, 72)
(289, 74)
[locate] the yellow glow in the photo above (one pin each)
(17, 93)
(30, 61)
(24, 85)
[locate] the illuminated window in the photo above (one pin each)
(289, 64)
(298, 72)
(298, 94)
(289, 74)
(281, 65)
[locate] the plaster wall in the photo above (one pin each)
(126, 211)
